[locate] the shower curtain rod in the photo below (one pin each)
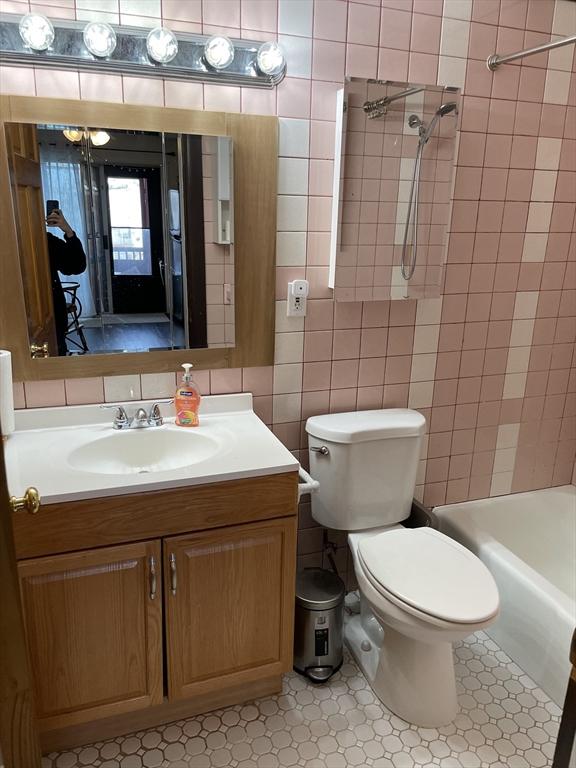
(494, 61)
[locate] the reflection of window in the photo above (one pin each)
(130, 226)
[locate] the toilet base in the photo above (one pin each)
(415, 680)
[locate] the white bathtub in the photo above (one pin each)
(528, 541)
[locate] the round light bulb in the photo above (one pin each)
(36, 31)
(219, 52)
(100, 39)
(270, 59)
(162, 45)
(73, 134)
(99, 138)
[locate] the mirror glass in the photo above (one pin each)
(126, 238)
(397, 162)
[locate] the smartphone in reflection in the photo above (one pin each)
(52, 205)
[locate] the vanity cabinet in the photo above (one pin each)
(226, 597)
(94, 628)
(192, 612)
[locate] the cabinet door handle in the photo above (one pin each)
(152, 571)
(173, 577)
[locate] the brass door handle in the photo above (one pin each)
(30, 502)
(40, 350)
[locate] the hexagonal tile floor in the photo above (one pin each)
(505, 721)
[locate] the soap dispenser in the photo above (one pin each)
(187, 400)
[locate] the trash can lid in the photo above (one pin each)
(318, 589)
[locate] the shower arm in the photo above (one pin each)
(369, 106)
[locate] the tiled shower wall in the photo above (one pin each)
(491, 364)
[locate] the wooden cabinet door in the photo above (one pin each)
(26, 180)
(229, 596)
(94, 632)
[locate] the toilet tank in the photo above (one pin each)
(366, 464)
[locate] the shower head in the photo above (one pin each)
(445, 109)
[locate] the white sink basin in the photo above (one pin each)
(71, 453)
(143, 451)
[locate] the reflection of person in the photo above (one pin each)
(66, 256)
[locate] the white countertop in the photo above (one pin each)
(37, 452)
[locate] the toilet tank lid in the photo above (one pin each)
(363, 426)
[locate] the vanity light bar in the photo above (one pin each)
(133, 53)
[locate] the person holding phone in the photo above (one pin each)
(66, 256)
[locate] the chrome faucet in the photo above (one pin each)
(140, 419)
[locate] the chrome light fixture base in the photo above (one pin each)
(131, 55)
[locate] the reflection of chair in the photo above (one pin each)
(74, 329)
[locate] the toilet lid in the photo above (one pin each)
(432, 573)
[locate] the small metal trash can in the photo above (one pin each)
(318, 623)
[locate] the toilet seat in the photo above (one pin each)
(425, 572)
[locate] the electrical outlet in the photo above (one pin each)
(297, 295)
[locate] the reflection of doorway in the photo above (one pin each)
(135, 239)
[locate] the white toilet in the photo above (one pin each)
(419, 590)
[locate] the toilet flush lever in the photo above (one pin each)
(322, 449)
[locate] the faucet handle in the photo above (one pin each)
(155, 417)
(140, 418)
(121, 418)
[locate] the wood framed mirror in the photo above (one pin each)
(24, 302)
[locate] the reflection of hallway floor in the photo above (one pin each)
(131, 337)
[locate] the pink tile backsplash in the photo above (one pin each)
(225, 380)
(84, 391)
(41, 394)
(498, 347)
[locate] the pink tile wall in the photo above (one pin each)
(490, 363)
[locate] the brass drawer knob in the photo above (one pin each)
(29, 502)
